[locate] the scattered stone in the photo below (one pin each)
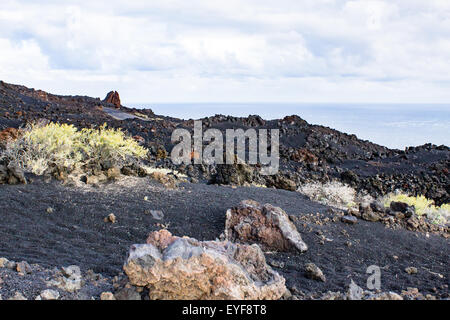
(23, 267)
(18, 296)
(411, 270)
(185, 268)
(3, 262)
(10, 265)
(107, 296)
(113, 173)
(413, 223)
(353, 212)
(281, 182)
(304, 155)
(127, 293)
(349, 219)
(92, 179)
(8, 135)
(162, 239)
(385, 296)
(12, 174)
(313, 272)
(368, 215)
(71, 271)
(235, 174)
(49, 294)
(157, 214)
(377, 207)
(331, 296)
(110, 218)
(411, 293)
(167, 180)
(251, 222)
(72, 280)
(399, 215)
(403, 208)
(276, 264)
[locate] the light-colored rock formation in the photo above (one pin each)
(269, 226)
(185, 268)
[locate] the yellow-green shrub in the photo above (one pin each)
(422, 205)
(65, 147)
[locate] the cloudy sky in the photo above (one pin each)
(230, 51)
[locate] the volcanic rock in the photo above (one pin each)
(251, 222)
(403, 208)
(185, 268)
(23, 267)
(12, 174)
(367, 213)
(107, 296)
(113, 98)
(48, 295)
(281, 182)
(235, 174)
(304, 155)
(349, 219)
(313, 272)
(8, 135)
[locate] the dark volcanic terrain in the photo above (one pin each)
(307, 152)
(55, 225)
(75, 233)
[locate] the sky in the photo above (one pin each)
(393, 51)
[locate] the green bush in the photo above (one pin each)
(423, 206)
(41, 149)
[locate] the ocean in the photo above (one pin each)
(391, 125)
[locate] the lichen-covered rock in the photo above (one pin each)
(269, 226)
(185, 268)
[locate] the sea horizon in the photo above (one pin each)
(394, 125)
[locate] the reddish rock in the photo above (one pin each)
(113, 98)
(269, 226)
(42, 95)
(139, 139)
(161, 239)
(8, 135)
(303, 155)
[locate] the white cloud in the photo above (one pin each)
(311, 50)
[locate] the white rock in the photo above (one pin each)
(185, 268)
(49, 294)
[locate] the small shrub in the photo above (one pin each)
(423, 206)
(333, 193)
(42, 149)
